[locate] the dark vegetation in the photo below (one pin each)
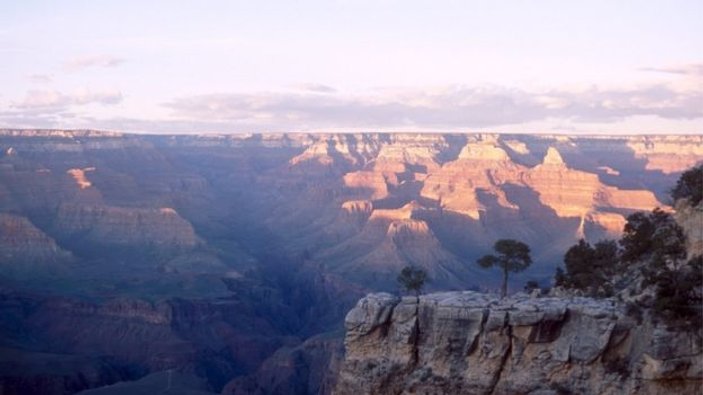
(690, 186)
(655, 237)
(652, 250)
(530, 286)
(412, 279)
(512, 256)
(590, 268)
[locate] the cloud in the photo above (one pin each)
(40, 78)
(689, 69)
(55, 100)
(666, 104)
(53, 109)
(317, 88)
(447, 107)
(83, 62)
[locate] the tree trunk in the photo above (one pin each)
(504, 291)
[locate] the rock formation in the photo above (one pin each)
(471, 343)
(85, 344)
(310, 368)
(269, 239)
(21, 241)
(125, 226)
(691, 219)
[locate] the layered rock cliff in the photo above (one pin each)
(106, 225)
(472, 343)
(323, 195)
(290, 229)
(63, 345)
(21, 241)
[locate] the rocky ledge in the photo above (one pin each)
(473, 343)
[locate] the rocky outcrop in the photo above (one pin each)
(691, 220)
(310, 368)
(157, 217)
(668, 154)
(481, 165)
(127, 226)
(86, 344)
(313, 193)
(21, 241)
(472, 343)
(574, 193)
(389, 241)
(28, 373)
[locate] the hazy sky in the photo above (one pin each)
(406, 65)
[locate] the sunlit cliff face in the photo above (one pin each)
(484, 167)
(80, 177)
(359, 205)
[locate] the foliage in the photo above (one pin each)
(678, 291)
(591, 268)
(412, 279)
(512, 256)
(690, 186)
(560, 278)
(653, 237)
(531, 286)
(653, 249)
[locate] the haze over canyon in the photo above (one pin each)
(229, 261)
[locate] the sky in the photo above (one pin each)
(176, 66)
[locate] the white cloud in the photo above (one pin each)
(86, 61)
(673, 100)
(689, 69)
(40, 78)
(317, 88)
(55, 100)
(455, 106)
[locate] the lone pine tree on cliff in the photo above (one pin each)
(511, 256)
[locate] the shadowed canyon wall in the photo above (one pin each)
(270, 239)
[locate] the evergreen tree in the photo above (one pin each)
(654, 237)
(412, 279)
(591, 268)
(690, 186)
(512, 256)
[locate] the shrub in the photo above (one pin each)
(653, 237)
(412, 279)
(678, 292)
(590, 268)
(690, 186)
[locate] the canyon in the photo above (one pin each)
(232, 259)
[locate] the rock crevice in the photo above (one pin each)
(472, 343)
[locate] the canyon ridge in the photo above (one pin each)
(226, 263)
